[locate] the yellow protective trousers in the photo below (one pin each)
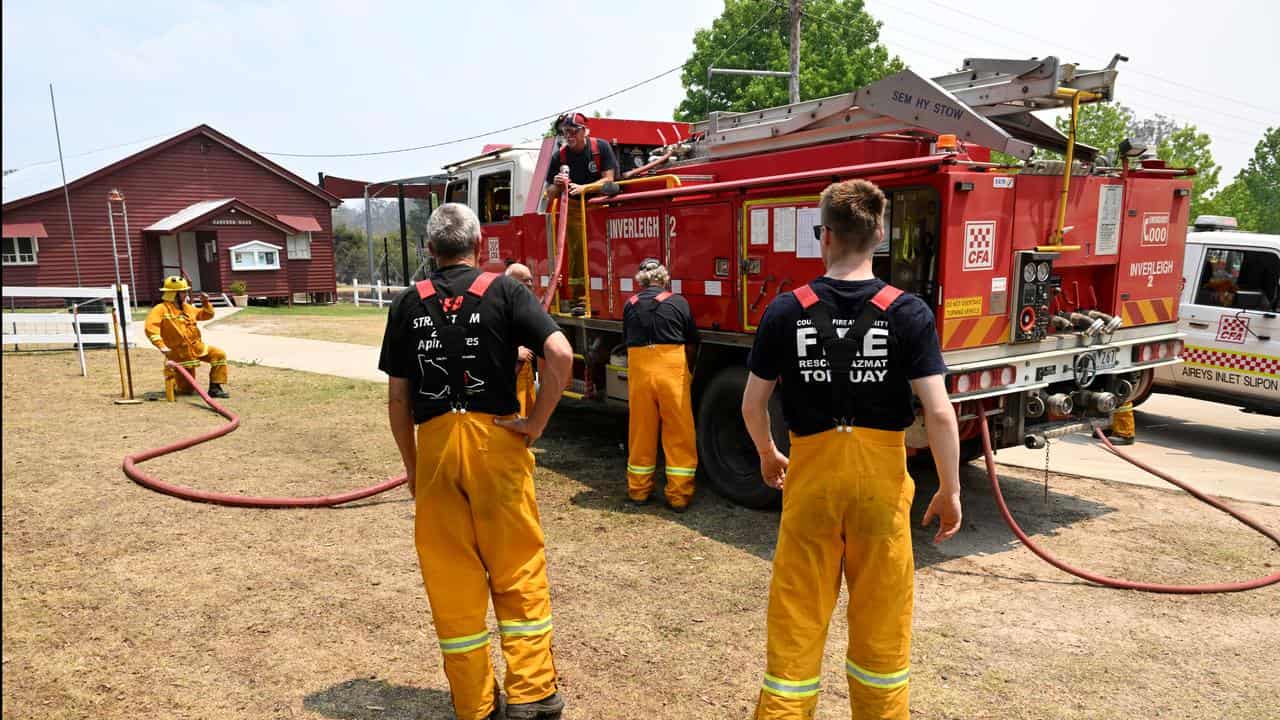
(658, 395)
(478, 536)
(846, 502)
(216, 358)
(575, 239)
(1122, 424)
(526, 390)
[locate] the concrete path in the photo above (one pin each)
(317, 356)
(1215, 448)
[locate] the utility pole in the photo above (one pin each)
(795, 50)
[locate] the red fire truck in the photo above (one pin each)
(1054, 282)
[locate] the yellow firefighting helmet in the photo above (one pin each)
(175, 283)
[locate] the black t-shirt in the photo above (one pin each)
(901, 346)
(581, 164)
(672, 320)
(507, 317)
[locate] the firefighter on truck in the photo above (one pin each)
(588, 160)
(847, 350)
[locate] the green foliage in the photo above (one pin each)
(839, 52)
(1233, 200)
(238, 287)
(1187, 147)
(1101, 125)
(1262, 179)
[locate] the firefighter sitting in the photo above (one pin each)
(526, 380)
(659, 326)
(171, 327)
(589, 160)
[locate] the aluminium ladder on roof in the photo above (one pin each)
(988, 102)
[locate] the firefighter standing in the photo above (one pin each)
(526, 375)
(450, 352)
(171, 327)
(847, 496)
(589, 160)
(658, 326)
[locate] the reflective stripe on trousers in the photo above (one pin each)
(479, 537)
(846, 504)
(216, 358)
(658, 398)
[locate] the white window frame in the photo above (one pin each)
(299, 245)
(258, 250)
(16, 257)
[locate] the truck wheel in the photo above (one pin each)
(1146, 383)
(727, 458)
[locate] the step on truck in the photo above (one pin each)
(1053, 276)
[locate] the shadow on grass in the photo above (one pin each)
(365, 699)
(588, 445)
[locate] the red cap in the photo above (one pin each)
(576, 119)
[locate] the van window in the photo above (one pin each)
(1242, 279)
(495, 197)
(457, 192)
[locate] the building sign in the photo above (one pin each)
(231, 221)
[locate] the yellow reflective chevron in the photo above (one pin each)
(884, 681)
(465, 643)
(524, 628)
(791, 688)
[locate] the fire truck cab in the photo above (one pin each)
(1054, 283)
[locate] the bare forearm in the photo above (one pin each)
(755, 413)
(400, 415)
(944, 443)
(554, 370)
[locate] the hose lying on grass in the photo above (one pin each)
(131, 463)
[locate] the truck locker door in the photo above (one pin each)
(701, 259)
(632, 235)
(777, 251)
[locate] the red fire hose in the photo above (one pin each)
(131, 463)
(1116, 582)
(562, 226)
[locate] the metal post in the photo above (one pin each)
(128, 244)
(75, 323)
(386, 262)
(794, 85)
(66, 194)
(122, 307)
(404, 236)
(368, 230)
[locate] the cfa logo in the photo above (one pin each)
(980, 245)
(1155, 229)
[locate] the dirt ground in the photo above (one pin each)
(342, 322)
(120, 603)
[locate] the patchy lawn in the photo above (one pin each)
(119, 603)
(341, 322)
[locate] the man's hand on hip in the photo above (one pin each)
(523, 426)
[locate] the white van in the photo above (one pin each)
(1229, 307)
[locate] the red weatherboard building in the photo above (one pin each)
(199, 204)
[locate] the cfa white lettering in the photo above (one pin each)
(874, 344)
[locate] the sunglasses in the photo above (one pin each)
(817, 231)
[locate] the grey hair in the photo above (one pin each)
(656, 274)
(453, 231)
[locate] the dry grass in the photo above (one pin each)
(121, 603)
(335, 323)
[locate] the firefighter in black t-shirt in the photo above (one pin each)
(450, 351)
(847, 351)
(658, 326)
(589, 160)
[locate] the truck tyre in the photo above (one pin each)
(1146, 383)
(727, 458)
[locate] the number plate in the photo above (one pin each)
(1107, 358)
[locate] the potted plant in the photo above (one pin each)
(239, 293)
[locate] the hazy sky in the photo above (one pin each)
(326, 77)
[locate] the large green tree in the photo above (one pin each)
(1101, 125)
(1262, 179)
(1188, 147)
(839, 52)
(1233, 200)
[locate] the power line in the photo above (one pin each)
(534, 121)
(90, 152)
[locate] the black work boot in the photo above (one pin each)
(548, 708)
(217, 391)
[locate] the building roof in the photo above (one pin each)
(31, 229)
(39, 182)
(196, 213)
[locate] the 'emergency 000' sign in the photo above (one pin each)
(1155, 228)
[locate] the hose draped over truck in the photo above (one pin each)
(131, 463)
(1117, 582)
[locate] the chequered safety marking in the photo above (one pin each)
(1227, 360)
(979, 245)
(1233, 329)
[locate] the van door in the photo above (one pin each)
(1233, 334)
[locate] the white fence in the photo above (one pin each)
(61, 327)
(378, 294)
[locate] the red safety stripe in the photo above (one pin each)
(885, 297)
(481, 284)
(807, 297)
(425, 289)
(662, 296)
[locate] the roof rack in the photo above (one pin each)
(988, 102)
